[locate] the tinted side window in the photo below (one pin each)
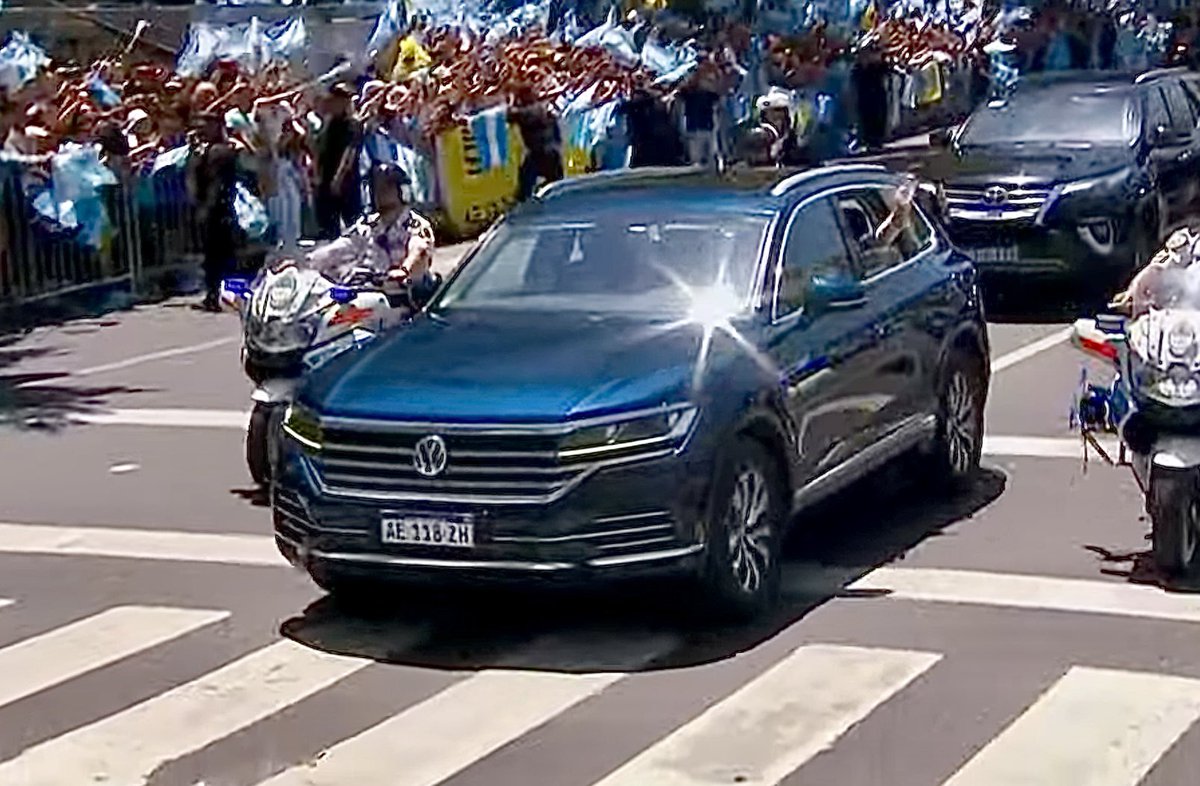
(1156, 110)
(814, 245)
(881, 243)
(1183, 120)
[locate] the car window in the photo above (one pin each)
(880, 244)
(1156, 110)
(619, 260)
(814, 246)
(1183, 120)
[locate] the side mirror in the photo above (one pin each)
(829, 293)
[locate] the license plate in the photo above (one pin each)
(406, 530)
(992, 254)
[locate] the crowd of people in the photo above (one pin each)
(303, 146)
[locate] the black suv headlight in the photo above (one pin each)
(668, 428)
(303, 426)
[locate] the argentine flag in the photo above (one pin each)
(490, 130)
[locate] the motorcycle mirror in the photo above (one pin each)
(342, 295)
(1113, 324)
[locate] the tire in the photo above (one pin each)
(1175, 521)
(958, 440)
(746, 516)
(258, 441)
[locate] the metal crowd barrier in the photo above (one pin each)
(151, 231)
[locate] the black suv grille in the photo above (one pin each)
(998, 197)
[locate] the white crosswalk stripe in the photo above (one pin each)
(35, 664)
(126, 747)
(462, 724)
(768, 729)
(1094, 727)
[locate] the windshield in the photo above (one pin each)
(1055, 117)
(614, 263)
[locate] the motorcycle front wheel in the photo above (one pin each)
(258, 442)
(1175, 520)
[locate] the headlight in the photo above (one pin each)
(303, 426)
(281, 335)
(659, 430)
(1181, 340)
(282, 293)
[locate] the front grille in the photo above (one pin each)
(519, 467)
(1028, 197)
(612, 535)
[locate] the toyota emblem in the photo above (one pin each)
(430, 456)
(995, 195)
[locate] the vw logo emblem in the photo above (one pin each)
(430, 456)
(995, 195)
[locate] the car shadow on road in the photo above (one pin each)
(46, 400)
(468, 628)
(1025, 305)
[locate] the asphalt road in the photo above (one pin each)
(1010, 636)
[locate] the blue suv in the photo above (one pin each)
(646, 372)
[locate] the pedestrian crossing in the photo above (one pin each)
(1090, 726)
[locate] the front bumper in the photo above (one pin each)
(633, 520)
(1024, 248)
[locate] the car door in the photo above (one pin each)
(889, 264)
(820, 355)
(1183, 127)
(1169, 153)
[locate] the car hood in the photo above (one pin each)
(1019, 166)
(510, 367)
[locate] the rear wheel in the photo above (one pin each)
(1175, 519)
(746, 513)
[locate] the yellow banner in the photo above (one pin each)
(473, 196)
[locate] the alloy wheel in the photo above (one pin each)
(962, 424)
(748, 525)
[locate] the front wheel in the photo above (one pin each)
(1175, 519)
(258, 444)
(746, 516)
(958, 444)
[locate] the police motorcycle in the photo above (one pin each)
(296, 317)
(1152, 406)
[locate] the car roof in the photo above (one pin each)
(743, 190)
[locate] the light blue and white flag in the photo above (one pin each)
(490, 130)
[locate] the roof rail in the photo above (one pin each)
(580, 182)
(788, 183)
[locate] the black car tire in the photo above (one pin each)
(258, 438)
(741, 567)
(1174, 508)
(958, 441)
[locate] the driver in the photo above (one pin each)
(396, 240)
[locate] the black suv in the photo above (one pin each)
(1075, 176)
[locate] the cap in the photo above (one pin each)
(776, 98)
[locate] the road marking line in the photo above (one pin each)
(150, 357)
(1094, 727)
(1039, 593)
(136, 360)
(37, 663)
(922, 584)
(777, 722)
(1024, 353)
(1042, 447)
(229, 549)
(462, 724)
(174, 418)
(127, 747)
